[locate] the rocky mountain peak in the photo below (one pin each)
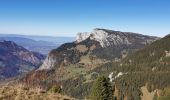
(105, 37)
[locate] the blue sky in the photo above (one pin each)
(67, 17)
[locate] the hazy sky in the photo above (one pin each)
(67, 17)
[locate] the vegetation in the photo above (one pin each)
(55, 89)
(19, 92)
(164, 95)
(148, 67)
(102, 89)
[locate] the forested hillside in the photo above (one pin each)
(148, 67)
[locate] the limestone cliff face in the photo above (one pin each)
(108, 45)
(109, 38)
(49, 63)
(82, 36)
(66, 53)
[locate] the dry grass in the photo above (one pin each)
(81, 48)
(146, 94)
(18, 92)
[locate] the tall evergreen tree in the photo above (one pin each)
(102, 89)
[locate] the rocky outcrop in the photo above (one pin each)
(65, 54)
(109, 38)
(48, 63)
(82, 36)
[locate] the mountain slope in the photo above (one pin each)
(80, 62)
(18, 92)
(102, 43)
(15, 60)
(152, 56)
(148, 67)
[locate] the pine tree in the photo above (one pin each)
(102, 89)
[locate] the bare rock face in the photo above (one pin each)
(109, 38)
(104, 38)
(48, 63)
(66, 53)
(82, 36)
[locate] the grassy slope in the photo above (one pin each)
(18, 92)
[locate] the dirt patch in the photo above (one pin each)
(92, 47)
(81, 48)
(18, 92)
(146, 94)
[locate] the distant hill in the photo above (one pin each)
(41, 44)
(16, 60)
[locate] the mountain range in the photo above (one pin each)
(16, 60)
(41, 44)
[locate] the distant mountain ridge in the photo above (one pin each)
(53, 39)
(41, 44)
(16, 60)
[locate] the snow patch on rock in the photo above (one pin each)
(167, 53)
(117, 76)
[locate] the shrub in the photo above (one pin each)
(55, 89)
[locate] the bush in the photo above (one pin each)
(55, 89)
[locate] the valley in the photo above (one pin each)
(40, 44)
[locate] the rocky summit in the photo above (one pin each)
(109, 37)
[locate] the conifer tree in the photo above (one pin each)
(102, 89)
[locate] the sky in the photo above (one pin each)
(68, 17)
